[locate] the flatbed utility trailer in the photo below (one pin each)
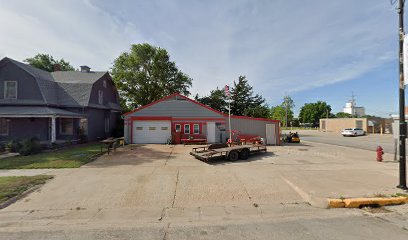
(232, 153)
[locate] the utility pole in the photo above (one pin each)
(286, 106)
(402, 123)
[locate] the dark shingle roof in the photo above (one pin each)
(67, 88)
(77, 77)
(35, 111)
(44, 79)
(76, 87)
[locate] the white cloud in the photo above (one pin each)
(281, 45)
(74, 30)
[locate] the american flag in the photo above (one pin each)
(226, 90)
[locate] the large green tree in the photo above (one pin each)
(47, 63)
(146, 74)
(244, 102)
(313, 112)
(284, 111)
(278, 113)
(288, 104)
(343, 115)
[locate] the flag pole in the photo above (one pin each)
(227, 93)
(229, 120)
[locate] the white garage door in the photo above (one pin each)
(151, 131)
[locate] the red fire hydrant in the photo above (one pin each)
(380, 152)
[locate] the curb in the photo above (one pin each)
(18, 197)
(361, 202)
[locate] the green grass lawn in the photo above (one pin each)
(14, 186)
(73, 157)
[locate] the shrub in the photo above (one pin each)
(81, 135)
(2, 147)
(13, 145)
(30, 146)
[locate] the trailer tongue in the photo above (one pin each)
(232, 153)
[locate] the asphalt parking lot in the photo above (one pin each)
(367, 142)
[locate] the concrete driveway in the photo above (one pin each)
(161, 184)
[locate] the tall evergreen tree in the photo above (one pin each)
(216, 100)
(244, 102)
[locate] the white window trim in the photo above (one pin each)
(175, 127)
(100, 97)
(185, 128)
(195, 129)
(7, 128)
(104, 84)
(60, 126)
(5, 89)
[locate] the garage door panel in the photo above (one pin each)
(151, 131)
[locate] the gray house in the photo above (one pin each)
(54, 106)
(176, 117)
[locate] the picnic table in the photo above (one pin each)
(110, 143)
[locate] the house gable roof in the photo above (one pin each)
(175, 96)
(175, 105)
(172, 97)
(43, 78)
(66, 88)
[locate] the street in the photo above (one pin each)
(368, 142)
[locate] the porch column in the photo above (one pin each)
(53, 130)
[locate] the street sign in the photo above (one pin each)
(405, 59)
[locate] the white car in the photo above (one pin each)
(352, 132)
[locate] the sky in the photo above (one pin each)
(310, 50)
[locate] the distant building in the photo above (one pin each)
(369, 125)
(352, 109)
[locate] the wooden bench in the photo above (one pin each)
(193, 138)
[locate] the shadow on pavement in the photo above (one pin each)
(252, 158)
(134, 155)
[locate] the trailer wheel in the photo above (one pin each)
(244, 154)
(233, 156)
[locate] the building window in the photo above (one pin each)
(196, 128)
(164, 128)
(100, 97)
(10, 90)
(178, 127)
(104, 83)
(139, 128)
(186, 128)
(4, 127)
(107, 127)
(152, 128)
(66, 126)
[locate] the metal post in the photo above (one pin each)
(229, 120)
(286, 106)
(402, 124)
